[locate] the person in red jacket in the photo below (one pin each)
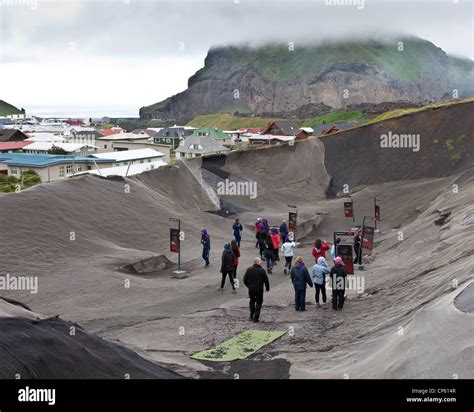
(276, 242)
(235, 249)
(319, 250)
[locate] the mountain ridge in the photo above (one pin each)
(271, 78)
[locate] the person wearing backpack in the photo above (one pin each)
(338, 281)
(276, 243)
(261, 238)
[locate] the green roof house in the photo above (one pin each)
(216, 134)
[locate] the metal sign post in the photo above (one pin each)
(376, 212)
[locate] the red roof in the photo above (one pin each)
(75, 122)
(13, 145)
(110, 132)
(255, 130)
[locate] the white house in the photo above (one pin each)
(44, 137)
(107, 143)
(77, 149)
(131, 157)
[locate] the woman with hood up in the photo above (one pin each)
(206, 246)
(300, 278)
(276, 243)
(319, 271)
(227, 267)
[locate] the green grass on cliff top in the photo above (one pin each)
(7, 109)
(278, 63)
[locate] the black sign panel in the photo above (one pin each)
(292, 216)
(348, 209)
(377, 213)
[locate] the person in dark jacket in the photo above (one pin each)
(237, 228)
(300, 277)
(357, 240)
(258, 226)
(255, 278)
(269, 252)
(338, 283)
(283, 231)
(236, 251)
(206, 246)
(261, 237)
(227, 267)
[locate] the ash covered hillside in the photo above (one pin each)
(408, 283)
(273, 79)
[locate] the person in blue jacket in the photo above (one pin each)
(319, 272)
(300, 278)
(237, 228)
(206, 246)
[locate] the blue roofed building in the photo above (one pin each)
(49, 167)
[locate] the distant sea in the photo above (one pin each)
(82, 112)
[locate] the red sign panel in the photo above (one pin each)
(174, 240)
(368, 237)
(348, 209)
(345, 252)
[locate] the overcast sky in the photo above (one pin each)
(113, 53)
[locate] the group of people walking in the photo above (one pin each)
(271, 241)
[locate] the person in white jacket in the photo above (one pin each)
(287, 248)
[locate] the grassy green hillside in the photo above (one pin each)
(278, 63)
(228, 121)
(6, 109)
(336, 117)
(231, 122)
(401, 112)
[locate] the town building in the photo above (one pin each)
(77, 149)
(269, 139)
(196, 146)
(12, 147)
(12, 135)
(49, 167)
(172, 136)
(216, 134)
(285, 128)
(129, 157)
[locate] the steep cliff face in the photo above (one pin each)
(274, 79)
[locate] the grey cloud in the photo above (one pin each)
(156, 28)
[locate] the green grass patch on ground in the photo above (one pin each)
(239, 347)
(224, 121)
(336, 117)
